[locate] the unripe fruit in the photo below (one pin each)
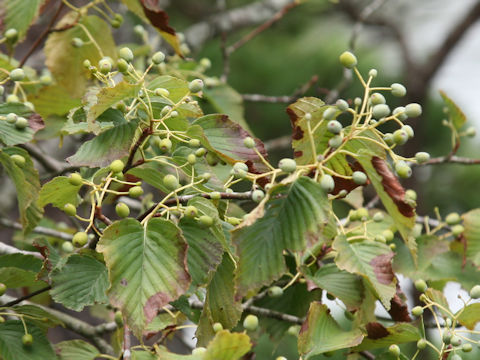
(342, 105)
(400, 137)
(398, 90)
(348, 59)
(165, 145)
(335, 141)
(422, 157)
(122, 66)
(116, 166)
(455, 340)
(240, 166)
(249, 142)
(388, 234)
(158, 57)
(11, 118)
(417, 311)
(327, 183)
(287, 165)
(199, 351)
(402, 169)
(17, 74)
(70, 209)
(422, 344)
(352, 215)
(3, 288)
(378, 217)
(357, 101)
(191, 211)
(79, 239)
(275, 291)
(200, 152)
(67, 247)
(380, 238)
(171, 182)
(467, 347)
(75, 179)
(388, 138)
(234, 221)
(377, 98)
(139, 30)
(205, 221)
(19, 160)
(408, 129)
(135, 191)
(2, 319)
(205, 63)
(257, 195)
(394, 350)
(362, 213)
(334, 127)
(166, 109)
(215, 195)
(27, 339)
(194, 143)
(205, 176)
(471, 132)
(162, 92)
(381, 110)
(475, 292)
(11, 35)
(281, 358)
(12, 98)
(421, 285)
(413, 110)
(453, 218)
(329, 113)
(217, 327)
(174, 114)
(457, 230)
(456, 357)
(105, 65)
(359, 177)
(212, 158)
(250, 322)
(191, 159)
(21, 123)
(126, 54)
(122, 210)
(400, 113)
(195, 86)
(77, 42)
(118, 317)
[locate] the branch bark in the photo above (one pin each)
(39, 230)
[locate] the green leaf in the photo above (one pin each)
(342, 284)
(59, 192)
(146, 267)
(471, 223)
(19, 14)
(178, 88)
(99, 100)
(397, 334)
(39, 317)
(21, 261)
(27, 184)
(9, 134)
(370, 259)
(455, 114)
(76, 350)
(110, 145)
(320, 333)
(163, 354)
(46, 101)
(11, 347)
(65, 62)
(220, 304)
(14, 277)
(75, 292)
(469, 316)
(294, 214)
(227, 346)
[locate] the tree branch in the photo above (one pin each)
(7, 249)
(38, 229)
(50, 164)
(450, 160)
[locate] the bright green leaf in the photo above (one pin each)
(46, 101)
(9, 134)
(397, 334)
(76, 350)
(58, 192)
(471, 223)
(456, 115)
(469, 316)
(227, 346)
(19, 14)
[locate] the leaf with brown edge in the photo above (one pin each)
(376, 330)
(399, 309)
(380, 336)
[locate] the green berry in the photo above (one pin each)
(166, 109)
(257, 195)
(335, 141)
(205, 63)
(3, 288)
(388, 138)
(118, 317)
(75, 179)
(158, 57)
(67, 247)
(27, 339)
(162, 92)
(174, 114)
(362, 213)
(398, 90)
(342, 105)
(394, 350)
(334, 127)
(199, 351)
(348, 59)
(240, 166)
(281, 358)
(191, 159)
(411, 195)
(378, 217)
(377, 99)
(402, 169)
(126, 54)
(249, 142)
(205, 221)
(77, 42)
(206, 176)
(195, 86)
(2, 319)
(455, 340)
(457, 230)
(359, 177)
(329, 114)
(422, 344)
(352, 215)
(194, 143)
(19, 160)
(79, 239)
(122, 210)
(393, 247)
(11, 118)
(471, 132)
(388, 234)
(293, 330)
(413, 110)
(165, 145)
(456, 357)
(12, 98)
(327, 183)
(234, 221)
(275, 291)
(200, 152)
(21, 123)
(171, 182)
(408, 129)
(453, 218)
(380, 238)
(287, 165)
(357, 101)
(373, 73)
(139, 30)
(422, 157)
(417, 311)
(399, 113)
(135, 191)
(421, 285)
(215, 195)
(212, 158)
(116, 166)
(400, 137)
(190, 211)
(381, 110)
(70, 209)
(11, 35)
(217, 327)
(105, 65)
(467, 347)
(17, 74)
(122, 66)
(250, 322)
(29, 105)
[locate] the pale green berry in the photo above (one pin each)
(471, 132)
(240, 166)
(388, 234)
(257, 195)
(388, 138)
(12, 98)
(250, 322)
(394, 350)
(456, 357)
(380, 238)
(402, 169)
(453, 218)
(281, 358)
(217, 327)
(378, 217)
(393, 247)
(342, 105)
(455, 340)
(171, 182)
(29, 105)
(417, 311)
(191, 159)
(335, 141)
(194, 143)
(165, 145)
(75, 179)
(135, 191)
(362, 214)
(158, 57)
(205, 63)
(352, 215)
(288, 165)
(215, 195)
(191, 211)
(80, 239)
(21, 123)
(334, 127)
(126, 54)
(3, 288)
(105, 65)
(327, 183)
(308, 116)
(421, 285)
(357, 101)
(11, 35)
(359, 177)
(422, 344)
(398, 90)
(19, 160)
(206, 176)
(77, 42)
(2, 90)
(348, 59)
(377, 99)
(413, 110)
(67, 247)
(467, 347)
(422, 157)
(212, 158)
(139, 30)
(249, 142)
(200, 152)
(400, 137)
(199, 351)
(116, 166)
(399, 113)
(411, 195)
(205, 221)
(275, 291)
(162, 92)
(70, 209)
(195, 86)
(174, 114)
(457, 230)
(372, 73)
(122, 210)
(408, 129)
(122, 66)
(86, 64)
(27, 340)
(11, 118)
(166, 109)
(17, 74)
(381, 110)
(329, 113)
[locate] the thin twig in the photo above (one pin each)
(451, 160)
(38, 230)
(7, 249)
(26, 297)
(50, 164)
(145, 133)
